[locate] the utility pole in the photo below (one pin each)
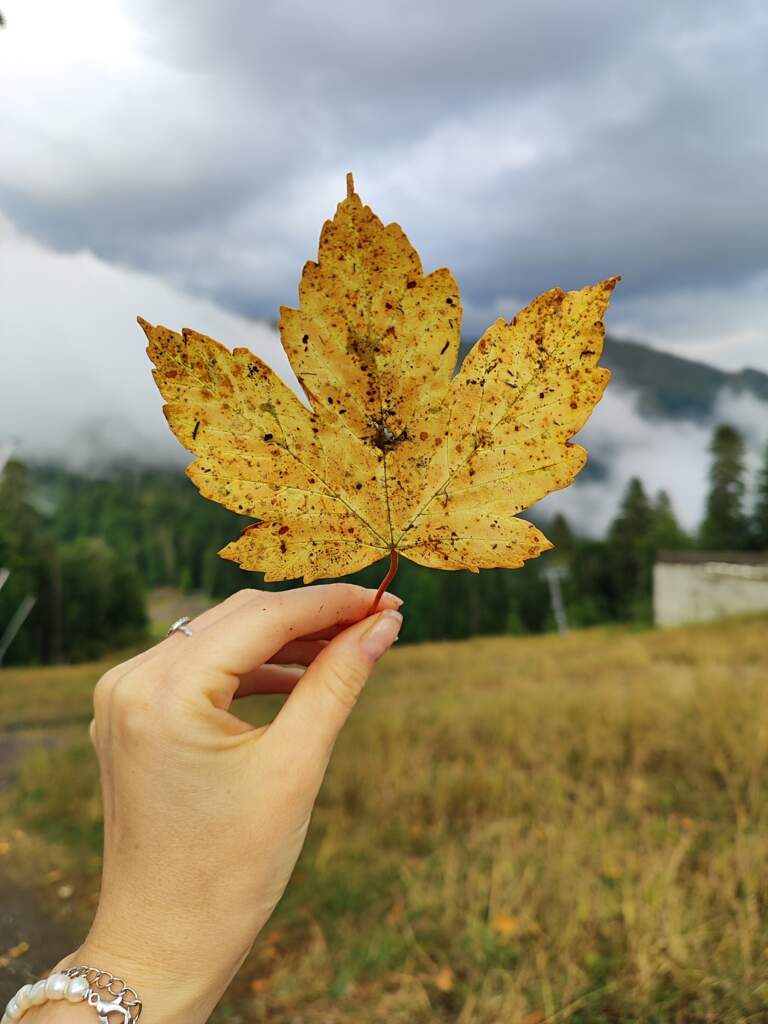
(28, 603)
(17, 621)
(554, 575)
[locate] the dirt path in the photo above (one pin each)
(23, 918)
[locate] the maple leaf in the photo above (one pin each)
(395, 452)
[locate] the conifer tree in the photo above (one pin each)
(629, 551)
(560, 533)
(760, 518)
(634, 518)
(726, 525)
(666, 532)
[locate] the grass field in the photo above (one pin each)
(512, 831)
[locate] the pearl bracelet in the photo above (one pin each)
(57, 986)
(74, 986)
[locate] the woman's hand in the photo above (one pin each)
(205, 815)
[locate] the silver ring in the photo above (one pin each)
(180, 626)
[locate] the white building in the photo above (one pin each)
(695, 586)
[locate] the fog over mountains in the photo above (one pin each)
(655, 422)
(76, 385)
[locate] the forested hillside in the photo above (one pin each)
(89, 548)
(674, 387)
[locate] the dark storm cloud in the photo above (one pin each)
(522, 145)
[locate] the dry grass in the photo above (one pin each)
(512, 830)
(38, 695)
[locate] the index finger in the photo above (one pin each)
(254, 631)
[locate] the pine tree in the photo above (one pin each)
(726, 526)
(630, 554)
(560, 533)
(634, 518)
(666, 532)
(760, 518)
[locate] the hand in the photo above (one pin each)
(205, 815)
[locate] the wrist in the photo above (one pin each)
(168, 997)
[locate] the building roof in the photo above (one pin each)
(704, 557)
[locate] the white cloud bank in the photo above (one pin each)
(75, 381)
(205, 143)
(670, 455)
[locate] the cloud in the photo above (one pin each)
(77, 385)
(524, 146)
(720, 325)
(669, 455)
(178, 159)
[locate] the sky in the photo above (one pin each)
(177, 160)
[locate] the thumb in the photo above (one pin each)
(320, 704)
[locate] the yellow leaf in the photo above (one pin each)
(18, 950)
(393, 453)
(444, 980)
(505, 925)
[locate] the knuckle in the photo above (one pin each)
(345, 682)
(240, 598)
(112, 674)
(131, 707)
(102, 691)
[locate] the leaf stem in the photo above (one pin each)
(394, 559)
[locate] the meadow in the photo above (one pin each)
(512, 831)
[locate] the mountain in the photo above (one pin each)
(674, 387)
(670, 386)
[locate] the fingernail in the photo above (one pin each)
(381, 633)
(393, 597)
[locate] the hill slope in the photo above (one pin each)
(672, 386)
(675, 387)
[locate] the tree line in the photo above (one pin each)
(90, 549)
